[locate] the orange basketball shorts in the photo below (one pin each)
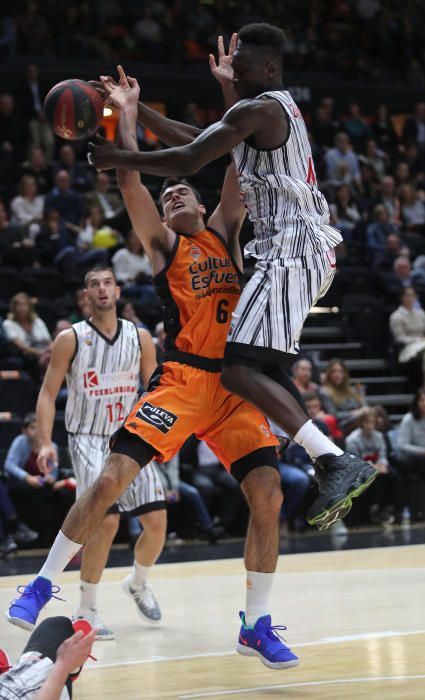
(183, 400)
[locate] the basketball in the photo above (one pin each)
(74, 109)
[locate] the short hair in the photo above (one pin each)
(368, 414)
(263, 36)
(98, 268)
(311, 396)
(29, 418)
(172, 181)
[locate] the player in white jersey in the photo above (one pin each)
(294, 247)
(103, 359)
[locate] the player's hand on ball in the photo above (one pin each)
(103, 155)
(223, 71)
(122, 94)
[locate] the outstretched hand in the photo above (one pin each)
(125, 92)
(103, 154)
(223, 71)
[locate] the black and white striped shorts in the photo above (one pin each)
(88, 456)
(277, 299)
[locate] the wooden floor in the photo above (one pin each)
(356, 619)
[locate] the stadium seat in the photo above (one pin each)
(10, 283)
(46, 282)
(47, 311)
(364, 319)
(17, 392)
(10, 427)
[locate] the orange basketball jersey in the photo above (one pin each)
(199, 289)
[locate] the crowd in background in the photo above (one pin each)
(58, 217)
(355, 38)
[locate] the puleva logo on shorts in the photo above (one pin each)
(156, 416)
(90, 379)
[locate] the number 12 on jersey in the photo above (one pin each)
(115, 412)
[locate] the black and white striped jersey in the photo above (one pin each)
(26, 678)
(289, 213)
(103, 379)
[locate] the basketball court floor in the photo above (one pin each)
(356, 619)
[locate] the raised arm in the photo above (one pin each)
(157, 239)
(229, 215)
(223, 71)
(245, 119)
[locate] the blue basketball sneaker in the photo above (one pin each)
(263, 641)
(23, 611)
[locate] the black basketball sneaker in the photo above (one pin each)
(340, 479)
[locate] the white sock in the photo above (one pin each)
(88, 593)
(140, 573)
(258, 587)
(61, 552)
(314, 442)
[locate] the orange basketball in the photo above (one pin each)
(74, 109)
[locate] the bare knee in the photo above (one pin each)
(118, 473)
(263, 491)
(155, 523)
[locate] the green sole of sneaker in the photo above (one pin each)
(330, 516)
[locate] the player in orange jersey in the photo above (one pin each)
(196, 272)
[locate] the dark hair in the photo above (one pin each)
(98, 268)
(172, 181)
(263, 36)
(414, 407)
(29, 418)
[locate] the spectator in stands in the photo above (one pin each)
(81, 307)
(339, 398)
(344, 213)
(390, 200)
(31, 97)
(13, 131)
(394, 248)
(63, 198)
(368, 443)
(126, 310)
(383, 129)
(342, 163)
(96, 234)
(402, 174)
(27, 206)
(323, 128)
(101, 196)
(28, 333)
(16, 248)
(131, 262)
(220, 491)
(403, 276)
(377, 234)
(12, 530)
(175, 489)
(148, 34)
(32, 490)
(407, 324)
(357, 128)
(412, 209)
(302, 372)
(80, 176)
(37, 166)
(411, 438)
(327, 423)
(414, 128)
(375, 157)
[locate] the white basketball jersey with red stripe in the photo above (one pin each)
(289, 213)
(103, 379)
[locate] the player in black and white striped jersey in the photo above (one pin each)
(293, 245)
(103, 359)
